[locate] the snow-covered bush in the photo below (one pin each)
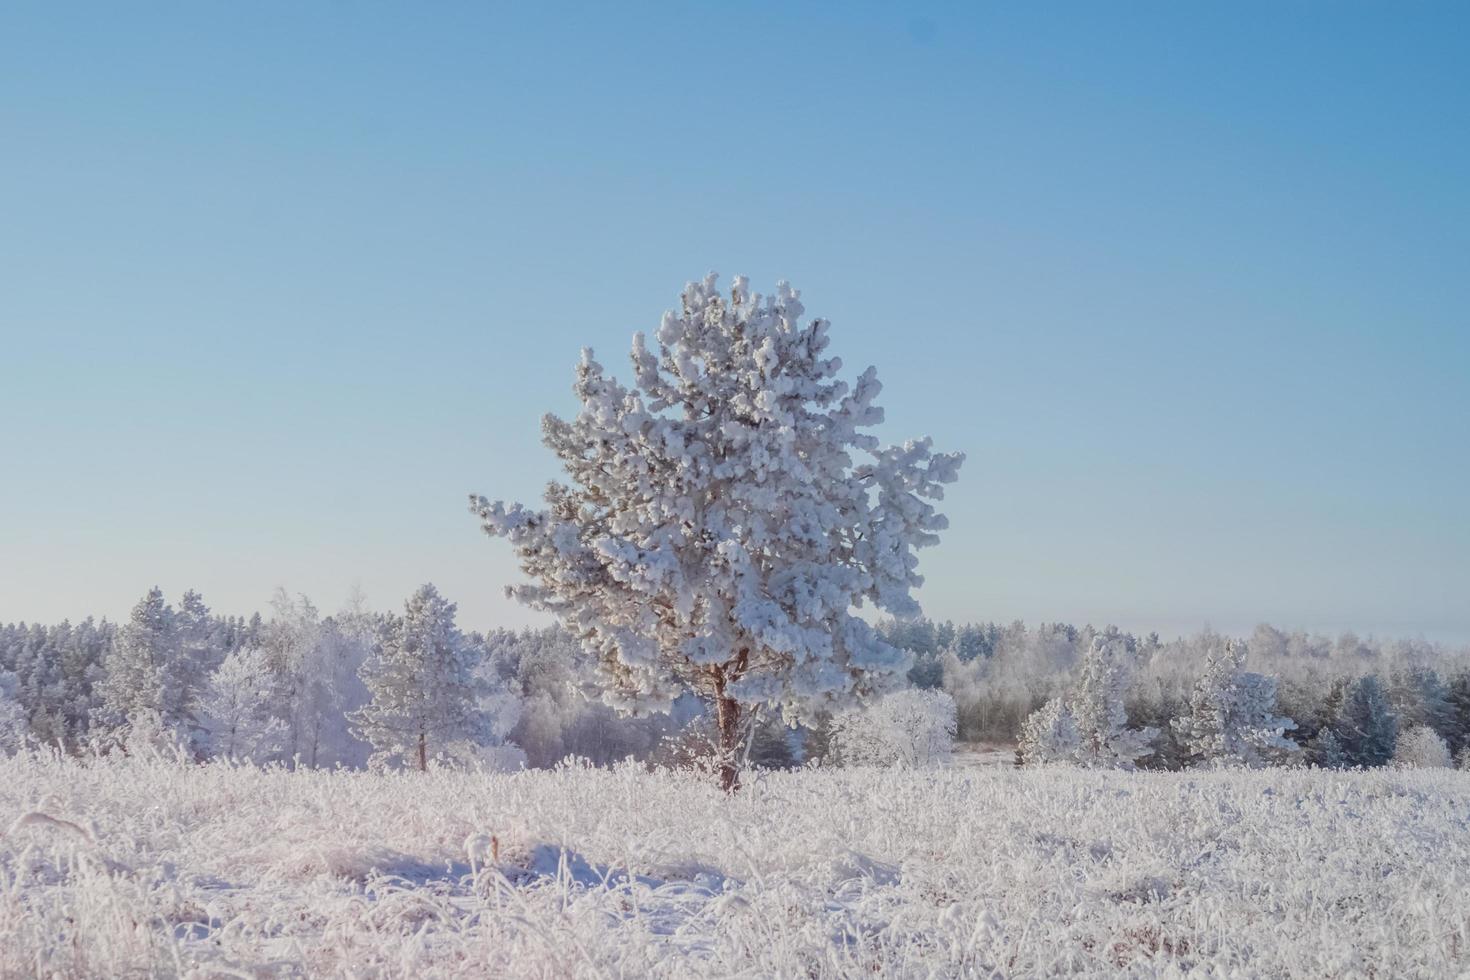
(911, 728)
(466, 754)
(149, 735)
(1421, 748)
(765, 743)
(1049, 735)
(716, 532)
(1231, 719)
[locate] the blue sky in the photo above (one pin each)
(1188, 283)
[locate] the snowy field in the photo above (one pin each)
(167, 870)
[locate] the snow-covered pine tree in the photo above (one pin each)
(141, 669)
(1232, 717)
(716, 532)
(1366, 725)
(1096, 703)
(82, 651)
(1457, 695)
(40, 689)
(1325, 750)
(200, 650)
(422, 685)
(1420, 747)
(1049, 735)
(14, 728)
(1418, 696)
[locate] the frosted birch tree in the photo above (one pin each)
(716, 531)
(1420, 747)
(236, 708)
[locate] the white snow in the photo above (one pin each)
(139, 866)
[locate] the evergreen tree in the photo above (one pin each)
(1049, 735)
(141, 670)
(1457, 697)
(1097, 706)
(81, 655)
(717, 532)
(1366, 725)
(200, 651)
(770, 745)
(14, 729)
(1419, 697)
(1325, 750)
(421, 683)
(1232, 717)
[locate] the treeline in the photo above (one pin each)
(1348, 697)
(306, 689)
(359, 687)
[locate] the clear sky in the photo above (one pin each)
(1190, 284)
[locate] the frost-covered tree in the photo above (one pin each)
(142, 675)
(1366, 725)
(1325, 750)
(81, 653)
(717, 531)
(40, 687)
(1049, 735)
(1419, 696)
(1096, 703)
(496, 699)
(235, 709)
(200, 651)
(422, 685)
(13, 725)
(1231, 718)
(313, 664)
(546, 671)
(1421, 747)
(910, 728)
(291, 642)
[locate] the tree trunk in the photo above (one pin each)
(727, 713)
(423, 752)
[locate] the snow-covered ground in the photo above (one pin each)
(153, 868)
(983, 755)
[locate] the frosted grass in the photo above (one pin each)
(150, 868)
